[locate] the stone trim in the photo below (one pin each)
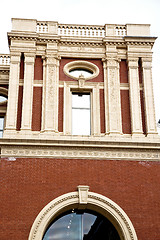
(81, 152)
(81, 64)
(102, 204)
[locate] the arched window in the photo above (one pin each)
(81, 225)
(82, 215)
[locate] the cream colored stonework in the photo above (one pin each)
(53, 41)
(92, 201)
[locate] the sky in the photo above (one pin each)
(94, 12)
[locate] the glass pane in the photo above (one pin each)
(2, 98)
(80, 100)
(1, 123)
(79, 72)
(81, 122)
(1, 126)
(81, 226)
(1, 134)
(68, 227)
(88, 222)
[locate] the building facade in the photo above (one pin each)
(78, 133)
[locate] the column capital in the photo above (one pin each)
(52, 60)
(146, 63)
(132, 62)
(15, 57)
(29, 58)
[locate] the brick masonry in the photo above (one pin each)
(64, 77)
(27, 185)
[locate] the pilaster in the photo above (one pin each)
(106, 97)
(112, 95)
(51, 93)
(43, 93)
(148, 96)
(96, 111)
(11, 120)
(28, 91)
(67, 123)
(136, 117)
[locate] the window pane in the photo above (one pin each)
(67, 227)
(79, 72)
(80, 122)
(81, 226)
(88, 221)
(80, 100)
(81, 114)
(2, 98)
(1, 126)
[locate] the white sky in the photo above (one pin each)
(98, 12)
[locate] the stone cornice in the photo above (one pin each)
(125, 149)
(82, 41)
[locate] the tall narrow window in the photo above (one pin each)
(81, 114)
(1, 126)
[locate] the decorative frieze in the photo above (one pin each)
(50, 116)
(112, 95)
(76, 152)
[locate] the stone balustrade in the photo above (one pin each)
(4, 59)
(81, 30)
(42, 27)
(73, 30)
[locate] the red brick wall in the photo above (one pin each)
(125, 111)
(37, 95)
(38, 68)
(123, 71)
(21, 73)
(64, 77)
(37, 109)
(125, 101)
(27, 185)
(19, 108)
(143, 111)
(102, 111)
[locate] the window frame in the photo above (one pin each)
(93, 88)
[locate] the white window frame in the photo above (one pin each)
(93, 88)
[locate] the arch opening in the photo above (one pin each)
(86, 202)
(81, 224)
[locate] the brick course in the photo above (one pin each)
(27, 185)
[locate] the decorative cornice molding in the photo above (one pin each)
(77, 152)
(83, 41)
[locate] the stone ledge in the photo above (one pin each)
(81, 150)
